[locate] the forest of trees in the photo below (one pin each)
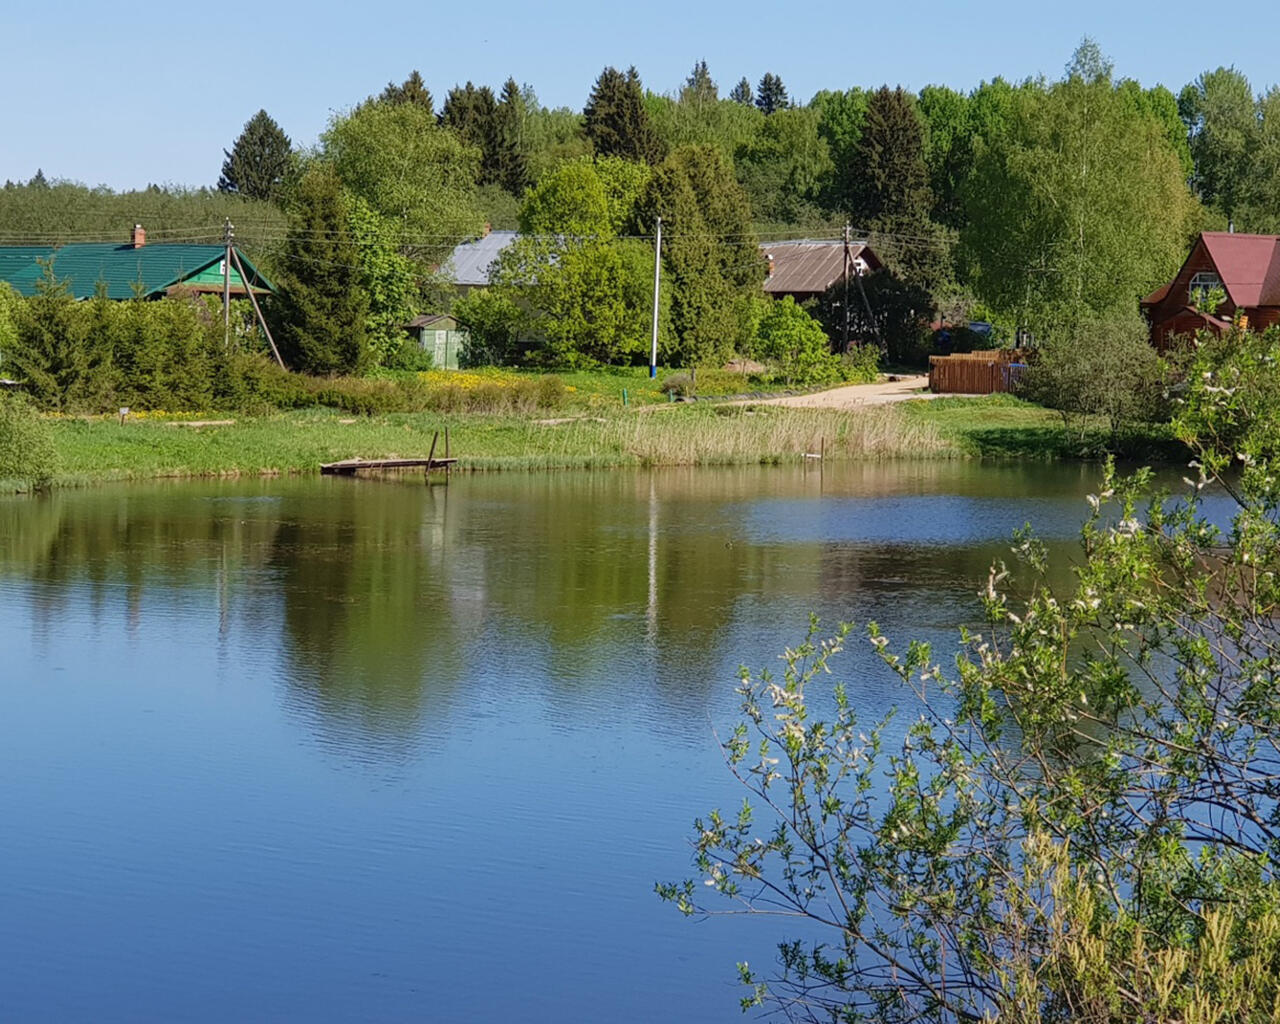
(1023, 203)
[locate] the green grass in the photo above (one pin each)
(298, 442)
(1002, 426)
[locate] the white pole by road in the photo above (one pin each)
(657, 277)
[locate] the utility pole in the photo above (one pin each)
(657, 279)
(228, 234)
(846, 289)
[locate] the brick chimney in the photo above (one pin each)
(768, 264)
(139, 236)
(487, 228)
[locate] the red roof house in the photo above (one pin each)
(1245, 267)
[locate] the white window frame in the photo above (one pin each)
(1201, 284)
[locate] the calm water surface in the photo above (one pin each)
(338, 750)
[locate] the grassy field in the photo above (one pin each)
(591, 429)
(298, 442)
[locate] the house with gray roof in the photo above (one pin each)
(471, 263)
(805, 268)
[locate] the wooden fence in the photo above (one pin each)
(976, 373)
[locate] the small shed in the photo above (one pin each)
(439, 335)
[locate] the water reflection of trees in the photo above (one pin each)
(385, 600)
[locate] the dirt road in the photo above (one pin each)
(854, 395)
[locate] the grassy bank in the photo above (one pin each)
(298, 442)
(593, 430)
(1004, 427)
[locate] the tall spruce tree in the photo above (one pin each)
(771, 96)
(412, 90)
(259, 161)
(742, 93)
(473, 113)
(890, 196)
(322, 308)
(710, 250)
(512, 155)
(616, 121)
(699, 88)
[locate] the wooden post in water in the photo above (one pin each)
(431, 454)
(448, 466)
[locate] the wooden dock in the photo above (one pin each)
(350, 467)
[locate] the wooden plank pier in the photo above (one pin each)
(350, 467)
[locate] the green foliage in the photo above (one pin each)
(1078, 200)
(412, 90)
(710, 250)
(892, 198)
(1230, 393)
(841, 118)
(322, 309)
(259, 162)
(66, 211)
(387, 278)
(741, 93)
(615, 119)
(1077, 820)
(687, 122)
(1104, 368)
(771, 94)
(53, 351)
(554, 137)
(785, 166)
(494, 323)
(948, 150)
(412, 172)
(1221, 116)
(795, 342)
(27, 452)
(472, 114)
(511, 159)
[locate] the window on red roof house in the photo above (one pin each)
(1202, 283)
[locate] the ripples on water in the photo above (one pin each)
(341, 750)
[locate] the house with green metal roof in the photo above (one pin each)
(123, 271)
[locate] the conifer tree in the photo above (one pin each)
(699, 88)
(259, 161)
(321, 308)
(710, 251)
(890, 194)
(473, 114)
(512, 154)
(771, 96)
(412, 90)
(616, 121)
(742, 93)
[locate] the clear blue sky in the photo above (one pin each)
(153, 92)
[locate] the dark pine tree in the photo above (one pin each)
(259, 161)
(890, 195)
(321, 308)
(473, 114)
(699, 88)
(412, 90)
(38, 180)
(771, 96)
(742, 93)
(616, 121)
(512, 142)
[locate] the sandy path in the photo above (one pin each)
(853, 395)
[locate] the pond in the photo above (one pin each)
(337, 750)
